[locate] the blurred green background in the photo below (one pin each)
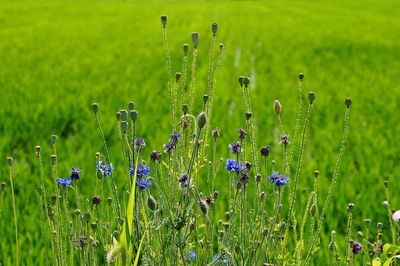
(56, 58)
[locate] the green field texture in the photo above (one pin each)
(56, 58)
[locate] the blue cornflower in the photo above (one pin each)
(235, 147)
(278, 179)
(142, 170)
(143, 183)
(192, 255)
(75, 173)
(232, 165)
(184, 180)
(105, 169)
(169, 147)
(221, 260)
(64, 182)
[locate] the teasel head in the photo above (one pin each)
(214, 28)
(195, 39)
(95, 107)
(164, 20)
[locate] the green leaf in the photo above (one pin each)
(390, 247)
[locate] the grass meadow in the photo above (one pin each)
(58, 57)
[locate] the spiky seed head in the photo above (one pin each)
(246, 81)
(164, 20)
(277, 107)
(53, 159)
(178, 76)
(248, 115)
(241, 80)
(124, 114)
(301, 76)
(214, 28)
(316, 173)
(151, 203)
(10, 160)
(311, 97)
(205, 98)
(195, 39)
(185, 108)
(3, 185)
(95, 107)
(350, 207)
(86, 216)
(133, 114)
(185, 48)
(124, 126)
(118, 115)
(201, 120)
(131, 105)
(347, 102)
(53, 138)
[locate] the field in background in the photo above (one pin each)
(57, 58)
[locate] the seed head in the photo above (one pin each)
(248, 115)
(258, 178)
(350, 207)
(242, 133)
(3, 185)
(118, 115)
(86, 216)
(347, 102)
(77, 212)
(95, 107)
(10, 161)
(241, 81)
(262, 195)
(155, 156)
(205, 98)
(133, 115)
(177, 76)
(203, 206)
(265, 150)
(185, 108)
(124, 126)
(221, 47)
(185, 48)
(246, 81)
(214, 28)
(379, 225)
(53, 138)
(96, 200)
(277, 107)
(316, 173)
(311, 97)
(367, 222)
(301, 76)
(195, 39)
(124, 114)
(164, 20)
(131, 105)
(53, 159)
(37, 151)
(201, 120)
(216, 132)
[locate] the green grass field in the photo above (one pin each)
(56, 58)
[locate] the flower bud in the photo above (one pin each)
(203, 206)
(201, 120)
(216, 132)
(133, 114)
(95, 107)
(347, 102)
(277, 107)
(262, 195)
(205, 98)
(109, 200)
(77, 212)
(93, 225)
(151, 203)
(379, 225)
(311, 97)
(195, 39)
(214, 28)
(258, 178)
(131, 105)
(164, 20)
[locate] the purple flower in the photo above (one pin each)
(169, 147)
(105, 169)
(356, 247)
(143, 183)
(75, 173)
(184, 180)
(64, 182)
(139, 143)
(232, 165)
(174, 138)
(278, 179)
(235, 147)
(142, 170)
